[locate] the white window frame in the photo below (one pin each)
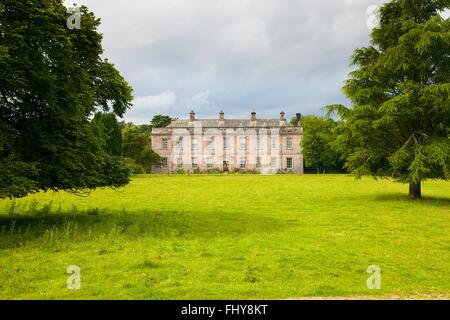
(258, 162)
(258, 143)
(243, 143)
(209, 163)
(210, 143)
(165, 143)
(226, 143)
(195, 144)
(179, 143)
(289, 144)
(274, 162)
(274, 143)
(289, 167)
(164, 162)
(242, 163)
(194, 163)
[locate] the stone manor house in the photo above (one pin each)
(265, 146)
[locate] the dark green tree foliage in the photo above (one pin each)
(146, 129)
(52, 79)
(160, 121)
(109, 128)
(399, 123)
(318, 135)
(136, 146)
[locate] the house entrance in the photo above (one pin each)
(226, 167)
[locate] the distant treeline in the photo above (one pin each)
(320, 151)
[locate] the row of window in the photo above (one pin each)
(242, 163)
(226, 143)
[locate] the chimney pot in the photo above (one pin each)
(298, 119)
(192, 116)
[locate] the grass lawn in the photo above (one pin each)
(228, 237)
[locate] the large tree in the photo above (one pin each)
(52, 80)
(399, 123)
(109, 128)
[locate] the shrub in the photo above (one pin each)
(245, 171)
(133, 166)
(213, 170)
(285, 171)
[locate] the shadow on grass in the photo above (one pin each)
(402, 197)
(18, 228)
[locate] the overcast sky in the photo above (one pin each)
(232, 55)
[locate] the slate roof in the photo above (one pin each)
(230, 123)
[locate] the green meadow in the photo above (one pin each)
(228, 237)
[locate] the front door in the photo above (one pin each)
(225, 167)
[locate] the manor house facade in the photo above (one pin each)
(265, 146)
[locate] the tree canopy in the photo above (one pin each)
(318, 136)
(136, 147)
(109, 128)
(399, 123)
(52, 80)
(160, 121)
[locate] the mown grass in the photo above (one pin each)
(227, 237)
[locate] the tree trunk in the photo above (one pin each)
(415, 190)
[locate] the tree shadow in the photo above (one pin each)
(402, 197)
(84, 225)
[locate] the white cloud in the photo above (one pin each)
(166, 102)
(235, 55)
(201, 102)
(144, 107)
(163, 100)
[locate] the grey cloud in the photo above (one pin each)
(235, 55)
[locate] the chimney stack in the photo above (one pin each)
(221, 115)
(253, 116)
(192, 116)
(298, 119)
(282, 114)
